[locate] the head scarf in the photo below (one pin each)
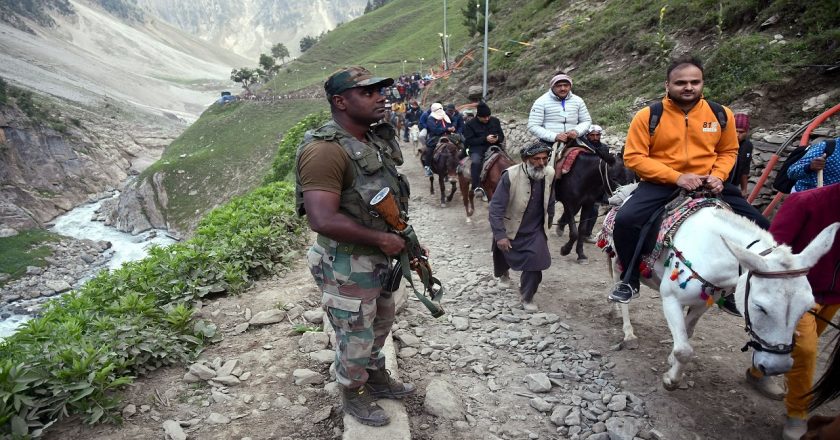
(595, 129)
(742, 121)
(438, 113)
(534, 148)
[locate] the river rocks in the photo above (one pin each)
(63, 271)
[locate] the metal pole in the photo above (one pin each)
(445, 44)
(484, 75)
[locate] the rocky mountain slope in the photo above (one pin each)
(251, 27)
(131, 75)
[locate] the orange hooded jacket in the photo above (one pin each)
(690, 142)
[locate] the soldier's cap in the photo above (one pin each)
(352, 77)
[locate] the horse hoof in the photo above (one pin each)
(629, 344)
(667, 384)
(564, 251)
(443, 205)
(583, 260)
(469, 220)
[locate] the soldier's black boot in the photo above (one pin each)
(359, 403)
(382, 385)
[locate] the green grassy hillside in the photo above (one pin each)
(616, 52)
(226, 152)
(401, 30)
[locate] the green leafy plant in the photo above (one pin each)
(284, 161)
(89, 343)
(306, 328)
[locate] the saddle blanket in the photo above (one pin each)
(678, 211)
(490, 158)
(567, 160)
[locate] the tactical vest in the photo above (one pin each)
(374, 166)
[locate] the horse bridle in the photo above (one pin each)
(756, 342)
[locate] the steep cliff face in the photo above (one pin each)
(251, 27)
(45, 172)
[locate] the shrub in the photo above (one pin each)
(89, 343)
(3, 96)
(284, 161)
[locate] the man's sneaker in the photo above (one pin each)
(729, 306)
(479, 192)
(359, 403)
(623, 293)
(589, 238)
(794, 428)
(765, 386)
(382, 385)
(427, 171)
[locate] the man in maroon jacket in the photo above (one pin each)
(802, 217)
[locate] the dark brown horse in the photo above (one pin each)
(593, 174)
(499, 162)
(444, 165)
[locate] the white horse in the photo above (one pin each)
(729, 252)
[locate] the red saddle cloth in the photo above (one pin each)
(567, 160)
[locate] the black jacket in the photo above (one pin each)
(475, 133)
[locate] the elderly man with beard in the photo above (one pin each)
(520, 215)
(689, 150)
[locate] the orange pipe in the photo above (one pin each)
(778, 198)
(760, 184)
(820, 119)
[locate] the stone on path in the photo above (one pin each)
(305, 376)
(617, 403)
(461, 323)
(218, 419)
(266, 317)
(538, 383)
(622, 428)
(541, 405)
(323, 356)
(314, 316)
(313, 341)
(172, 431)
(202, 371)
(442, 400)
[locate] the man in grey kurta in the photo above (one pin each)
(520, 214)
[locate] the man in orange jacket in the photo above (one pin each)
(689, 149)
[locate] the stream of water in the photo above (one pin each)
(78, 223)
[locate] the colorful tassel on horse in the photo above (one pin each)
(685, 283)
(710, 301)
(668, 260)
(601, 243)
(676, 272)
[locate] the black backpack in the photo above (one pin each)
(656, 115)
(783, 183)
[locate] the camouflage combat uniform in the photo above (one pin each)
(350, 276)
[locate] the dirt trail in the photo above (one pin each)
(484, 347)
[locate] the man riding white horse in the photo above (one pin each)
(693, 147)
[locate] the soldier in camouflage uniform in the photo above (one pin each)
(340, 167)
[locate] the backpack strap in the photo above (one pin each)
(655, 116)
(720, 114)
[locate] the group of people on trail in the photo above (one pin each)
(685, 142)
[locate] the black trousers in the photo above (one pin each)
(477, 161)
(646, 200)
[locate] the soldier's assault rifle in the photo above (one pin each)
(413, 257)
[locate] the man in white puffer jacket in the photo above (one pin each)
(559, 115)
